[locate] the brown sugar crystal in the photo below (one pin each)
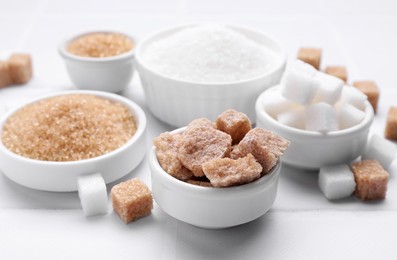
(264, 145)
(311, 56)
(69, 127)
(371, 180)
(370, 89)
(234, 123)
(100, 45)
(391, 124)
(131, 200)
(167, 145)
(337, 71)
(20, 68)
(225, 172)
(200, 144)
(5, 79)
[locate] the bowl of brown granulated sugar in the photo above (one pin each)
(51, 141)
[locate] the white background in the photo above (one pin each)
(302, 224)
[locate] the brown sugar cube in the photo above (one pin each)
(264, 145)
(370, 89)
(371, 180)
(5, 79)
(391, 124)
(167, 145)
(225, 172)
(234, 123)
(311, 56)
(201, 144)
(131, 200)
(201, 122)
(337, 71)
(20, 68)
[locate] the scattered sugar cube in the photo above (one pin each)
(5, 79)
(371, 90)
(336, 181)
(381, 150)
(299, 83)
(234, 123)
(131, 200)
(330, 88)
(293, 118)
(225, 172)
(337, 71)
(321, 117)
(20, 68)
(311, 56)
(349, 116)
(371, 180)
(274, 104)
(351, 95)
(391, 124)
(93, 194)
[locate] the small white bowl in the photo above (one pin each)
(111, 74)
(209, 207)
(178, 102)
(62, 176)
(312, 150)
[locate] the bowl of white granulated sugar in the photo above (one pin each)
(193, 71)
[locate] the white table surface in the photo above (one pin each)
(302, 224)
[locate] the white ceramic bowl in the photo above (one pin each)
(111, 74)
(312, 150)
(178, 102)
(209, 207)
(62, 176)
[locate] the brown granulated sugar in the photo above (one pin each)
(100, 45)
(69, 127)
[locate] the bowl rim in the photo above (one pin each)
(256, 185)
(62, 48)
(281, 60)
(263, 116)
(138, 113)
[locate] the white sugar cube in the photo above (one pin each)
(299, 83)
(381, 150)
(330, 88)
(274, 104)
(349, 116)
(321, 117)
(294, 118)
(336, 181)
(353, 96)
(93, 194)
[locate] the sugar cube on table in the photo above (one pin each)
(132, 200)
(371, 180)
(381, 150)
(336, 181)
(311, 56)
(5, 79)
(351, 95)
(274, 104)
(294, 118)
(20, 66)
(299, 83)
(321, 117)
(371, 90)
(349, 116)
(391, 124)
(330, 88)
(93, 194)
(337, 71)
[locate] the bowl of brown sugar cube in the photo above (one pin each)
(216, 174)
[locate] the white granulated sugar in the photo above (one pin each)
(208, 53)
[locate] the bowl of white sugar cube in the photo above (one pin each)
(194, 71)
(326, 121)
